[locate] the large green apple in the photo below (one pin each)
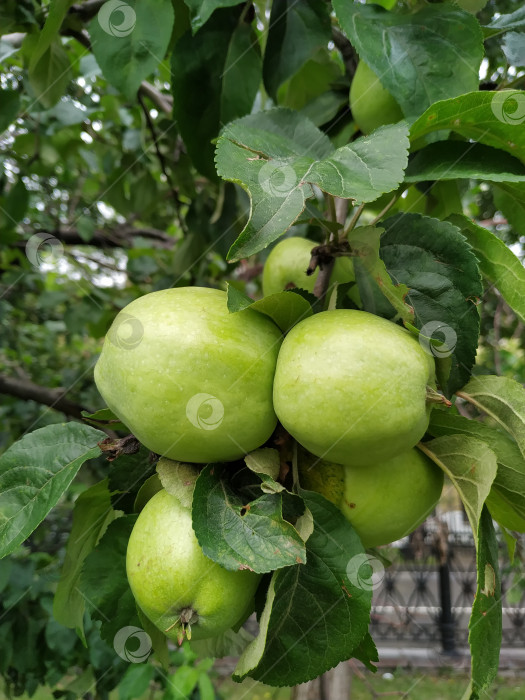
(183, 592)
(287, 263)
(384, 501)
(371, 104)
(190, 380)
(351, 387)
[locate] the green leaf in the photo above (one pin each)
(470, 465)
(181, 684)
(366, 652)
(148, 489)
(276, 156)
(127, 473)
(296, 31)
(200, 60)
(420, 57)
(49, 32)
(437, 264)
(240, 535)
(497, 262)
(450, 160)
(514, 48)
(135, 681)
(365, 168)
(492, 118)
(14, 205)
(104, 417)
(503, 400)
(364, 243)
(159, 641)
(264, 461)
(284, 308)
(228, 643)
(35, 472)
(485, 626)
(313, 89)
(504, 23)
(506, 500)
(104, 583)
(130, 40)
(242, 73)
(317, 614)
(50, 76)
(202, 10)
(510, 200)
(91, 516)
(178, 479)
(9, 106)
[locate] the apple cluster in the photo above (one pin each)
(198, 384)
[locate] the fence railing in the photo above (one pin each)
(426, 595)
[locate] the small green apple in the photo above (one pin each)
(183, 592)
(383, 501)
(351, 387)
(190, 380)
(287, 263)
(371, 104)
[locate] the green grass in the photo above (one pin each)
(413, 685)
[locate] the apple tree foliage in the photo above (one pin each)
(157, 143)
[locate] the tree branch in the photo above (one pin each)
(349, 54)
(119, 237)
(27, 390)
(163, 102)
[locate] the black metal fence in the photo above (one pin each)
(425, 597)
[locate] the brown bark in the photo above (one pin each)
(54, 398)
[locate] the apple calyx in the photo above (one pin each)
(183, 623)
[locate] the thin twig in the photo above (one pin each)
(352, 223)
(162, 162)
(387, 208)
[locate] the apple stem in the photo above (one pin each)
(434, 396)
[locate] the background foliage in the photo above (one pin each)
(110, 189)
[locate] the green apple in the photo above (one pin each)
(183, 592)
(383, 501)
(190, 380)
(287, 263)
(351, 387)
(371, 104)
